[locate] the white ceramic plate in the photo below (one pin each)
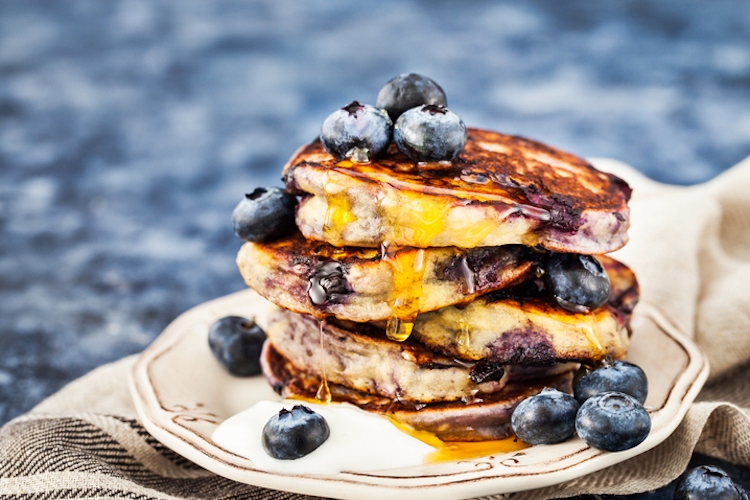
(182, 394)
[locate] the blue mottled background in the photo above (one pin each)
(130, 129)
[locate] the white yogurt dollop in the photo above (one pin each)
(358, 441)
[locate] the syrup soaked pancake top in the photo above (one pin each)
(492, 166)
(512, 189)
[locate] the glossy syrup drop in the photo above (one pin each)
(408, 265)
(463, 334)
(398, 330)
(468, 276)
(324, 393)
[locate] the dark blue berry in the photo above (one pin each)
(707, 482)
(430, 133)
(294, 434)
(547, 418)
(327, 283)
(357, 131)
(612, 421)
(578, 282)
(409, 90)
(264, 215)
(236, 342)
(620, 376)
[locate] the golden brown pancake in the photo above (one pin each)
(366, 284)
(516, 327)
(482, 417)
(500, 190)
(360, 357)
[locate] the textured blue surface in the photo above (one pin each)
(129, 130)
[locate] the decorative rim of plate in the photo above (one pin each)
(535, 467)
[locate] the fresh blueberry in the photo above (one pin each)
(612, 421)
(547, 418)
(294, 434)
(236, 342)
(578, 282)
(264, 215)
(357, 131)
(619, 376)
(707, 482)
(409, 90)
(430, 133)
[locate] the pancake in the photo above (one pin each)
(514, 326)
(482, 417)
(362, 284)
(360, 357)
(500, 190)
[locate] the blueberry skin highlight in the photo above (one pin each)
(612, 421)
(292, 434)
(430, 133)
(546, 418)
(707, 482)
(236, 343)
(357, 131)
(620, 376)
(577, 282)
(264, 215)
(409, 90)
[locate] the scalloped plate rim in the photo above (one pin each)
(183, 439)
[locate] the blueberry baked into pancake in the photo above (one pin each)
(435, 274)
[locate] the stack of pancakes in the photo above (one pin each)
(416, 290)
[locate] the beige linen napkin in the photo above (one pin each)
(690, 248)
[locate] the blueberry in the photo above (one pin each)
(409, 90)
(357, 131)
(578, 282)
(486, 371)
(236, 342)
(612, 421)
(264, 215)
(327, 283)
(707, 482)
(294, 434)
(620, 376)
(430, 133)
(547, 418)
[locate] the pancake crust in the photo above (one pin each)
(534, 330)
(482, 417)
(500, 190)
(359, 357)
(368, 285)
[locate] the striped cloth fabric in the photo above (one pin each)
(85, 442)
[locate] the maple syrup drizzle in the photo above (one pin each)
(448, 451)
(468, 276)
(417, 219)
(594, 340)
(338, 211)
(408, 266)
(587, 326)
(324, 393)
(463, 334)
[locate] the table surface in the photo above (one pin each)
(130, 129)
